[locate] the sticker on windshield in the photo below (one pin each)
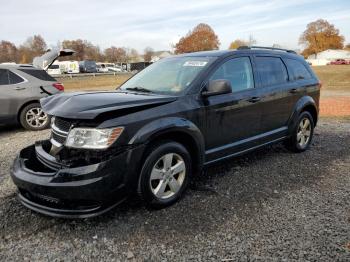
(195, 63)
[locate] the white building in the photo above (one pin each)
(327, 56)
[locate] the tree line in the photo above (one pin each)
(318, 36)
(36, 46)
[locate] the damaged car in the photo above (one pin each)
(163, 126)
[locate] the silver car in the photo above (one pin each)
(21, 88)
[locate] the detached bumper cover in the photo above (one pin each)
(84, 191)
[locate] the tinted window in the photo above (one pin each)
(4, 78)
(40, 74)
(272, 71)
(297, 70)
(14, 79)
(238, 71)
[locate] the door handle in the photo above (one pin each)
(19, 88)
(293, 91)
(254, 99)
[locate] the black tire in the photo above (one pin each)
(26, 124)
(154, 156)
(293, 143)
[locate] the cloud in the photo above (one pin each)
(160, 23)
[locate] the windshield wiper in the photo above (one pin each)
(139, 89)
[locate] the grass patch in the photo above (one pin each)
(334, 77)
(99, 82)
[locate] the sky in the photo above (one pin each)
(160, 24)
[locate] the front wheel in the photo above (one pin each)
(165, 174)
(32, 117)
(302, 134)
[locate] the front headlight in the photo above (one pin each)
(93, 138)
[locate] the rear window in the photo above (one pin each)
(14, 79)
(40, 74)
(297, 70)
(272, 70)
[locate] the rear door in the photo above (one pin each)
(301, 80)
(13, 91)
(232, 119)
(277, 98)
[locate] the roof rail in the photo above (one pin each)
(264, 47)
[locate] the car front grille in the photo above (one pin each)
(62, 124)
(60, 128)
(58, 138)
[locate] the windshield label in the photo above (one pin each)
(195, 63)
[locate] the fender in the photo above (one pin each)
(298, 108)
(166, 125)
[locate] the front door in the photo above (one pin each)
(232, 120)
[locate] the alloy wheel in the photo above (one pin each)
(36, 117)
(168, 176)
(304, 132)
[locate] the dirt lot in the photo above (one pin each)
(268, 205)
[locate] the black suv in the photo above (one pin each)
(164, 125)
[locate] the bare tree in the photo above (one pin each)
(132, 55)
(115, 54)
(251, 41)
(148, 53)
(83, 50)
(32, 47)
(8, 52)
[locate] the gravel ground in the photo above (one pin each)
(270, 205)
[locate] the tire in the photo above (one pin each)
(31, 111)
(158, 186)
(301, 139)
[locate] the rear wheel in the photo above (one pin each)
(32, 117)
(302, 134)
(165, 175)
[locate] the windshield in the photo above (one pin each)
(167, 76)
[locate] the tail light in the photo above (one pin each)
(58, 86)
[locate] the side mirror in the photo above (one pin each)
(217, 87)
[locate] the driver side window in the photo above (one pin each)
(238, 71)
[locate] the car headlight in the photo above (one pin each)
(93, 138)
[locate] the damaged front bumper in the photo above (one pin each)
(59, 189)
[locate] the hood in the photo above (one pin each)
(89, 105)
(47, 59)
